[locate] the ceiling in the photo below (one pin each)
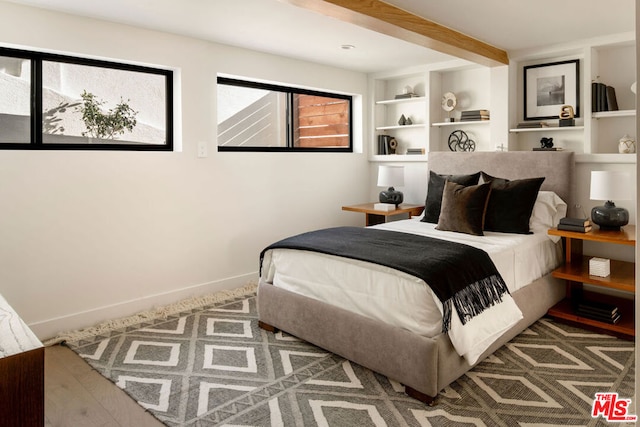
(278, 27)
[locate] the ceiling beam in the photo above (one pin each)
(384, 18)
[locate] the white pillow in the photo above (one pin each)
(547, 212)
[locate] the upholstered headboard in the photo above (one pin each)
(556, 166)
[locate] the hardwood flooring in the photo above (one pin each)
(76, 395)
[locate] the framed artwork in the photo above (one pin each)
(548, 87)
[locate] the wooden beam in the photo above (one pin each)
(384, 18)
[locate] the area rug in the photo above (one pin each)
(213, 366)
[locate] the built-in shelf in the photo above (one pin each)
(415, 125)
(402, 100)
(606, 158)
(618, 113)
(461, 123)
(547, 129)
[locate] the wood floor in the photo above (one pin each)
(76, 395)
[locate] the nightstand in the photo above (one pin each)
(575, 271)
(374, 216)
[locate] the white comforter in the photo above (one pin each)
(405, 301)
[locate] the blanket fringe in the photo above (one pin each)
(474, 299)
(161, 312)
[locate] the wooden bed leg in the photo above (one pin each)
(424, 398)
(267, 327)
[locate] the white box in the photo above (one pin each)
(384, 207)
(599, 267)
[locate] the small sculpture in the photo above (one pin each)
(567, 116)
(402, 121)
(626, 145)
(546, 143)
(567, 112)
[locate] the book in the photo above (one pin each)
(475, 112)
(531, 125)
(578, 228)
(595, 316)
(599, 97)
(584, 222)
(415, 150)
(387, 207)
(406, 96)
(597, 307)
(612, 102)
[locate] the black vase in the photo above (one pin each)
(609, 217)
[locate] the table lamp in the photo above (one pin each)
(391, 176)
(609, 186)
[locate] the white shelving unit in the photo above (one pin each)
(610, 60)
(388, 110)
(428, 130)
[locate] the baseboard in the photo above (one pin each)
(49, 328)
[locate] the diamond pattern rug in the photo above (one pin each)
(213, 366)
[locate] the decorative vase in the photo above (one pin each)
(627, 145)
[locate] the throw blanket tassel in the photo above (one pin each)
(474, 299)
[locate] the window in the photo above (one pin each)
(52, 101)
(264, 117)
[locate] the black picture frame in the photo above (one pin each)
(548, 87)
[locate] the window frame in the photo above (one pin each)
(290, 91)
(36, 102)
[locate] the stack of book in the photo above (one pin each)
(598, 311)
(532, 125)
(603, 97)
(415, 150)
(581, 225)
(474, 115)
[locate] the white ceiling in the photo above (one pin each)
(280, 28)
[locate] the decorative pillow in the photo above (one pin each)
(546, 214)
(463, 208)
(436, 187)
(510, 204)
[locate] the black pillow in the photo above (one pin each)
(463, 208)
(436, 187)
(510, 204)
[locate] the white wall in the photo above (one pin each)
(86, 236)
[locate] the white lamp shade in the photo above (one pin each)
(390, 176)
(610, 185)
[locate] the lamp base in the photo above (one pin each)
(391, 196)
(609, 217)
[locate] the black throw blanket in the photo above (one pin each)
(458, 274)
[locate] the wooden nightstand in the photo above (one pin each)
(374, 216)
(575, 271)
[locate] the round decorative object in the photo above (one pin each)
(393, 145)
(627, 145)
(460, 141)
(449, 101)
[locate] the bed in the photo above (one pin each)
(417, 351)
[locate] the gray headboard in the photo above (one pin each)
(556, 166)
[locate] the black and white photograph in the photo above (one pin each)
(549, 87)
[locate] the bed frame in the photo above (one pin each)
(424, 365)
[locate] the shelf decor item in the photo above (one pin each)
(600, 267)
(391, 176)
(566, 116)
(609, 185)
(460, 141)
(626, 145)
(449, 102)
(549, 87)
